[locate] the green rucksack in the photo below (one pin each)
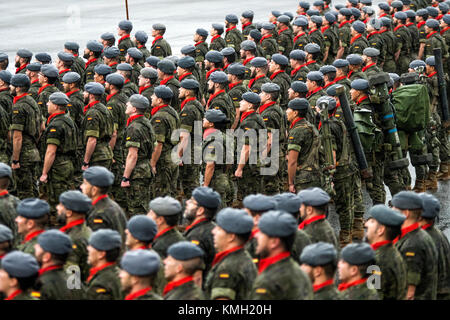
(412, 107)
(366, 129)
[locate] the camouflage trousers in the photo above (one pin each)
(358, 203)
(305, 179)
(250, 183)
(221, 183)
(432, 142)
(273, 183)
(25, 181)
(403, 64)
(375, 185)
(102, 163)
(165, 180)
(393, 179)
(189, 179)
(119, 193)
(389, 66)
(414, 144)
(138, 197)
(444, 148)
(344, 201)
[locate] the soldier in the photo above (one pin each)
(183, 260)
(312, 56)
(358, 43)
(370, 59)
(103, 252)
(279, 277)
(219, 99)
(166, 69)
(64, 64)
(160, 47)
(233, 272)
(92, 54)
(6, 99)
(105, 213)
(389, 39)
(71, 87)
(329, 75)
(302, 7)
(303, 148)
(43, 58)
(277, 67)
(134, 57)
(375, 39)
(165, 121)
(427, 222)
(403, 36)
(6, 241)
(355, 62)
(72, 210)
(297, 60)
(259, 68)
(140, 39)
(417, 248)
(201, 48)
(319, 262)
(124, 43)
(255, 36)
(166, 213)
(213, 62)
(330, 37)
(414, 31)
(315, 84)
(301, 39)
(315, 36)
(383, 226)
(111, 58)
(248, 51)
(434, 40)
(97, 128)
(4, 61)
(229, 57)
(152, 61)
(129, 87)
(48, 78)
(8, 202)
(22, 59)
(51, 252)
(100, 72)
(353, 265)
(33, 73)
(236, 74)
(107, 39)
(26, 127)
(79, 65)
(268, 43)
(147, 80)
(285, 37)
(22, 267)
(217, 42)
(344, 17)
(61, 140)
(233, 37)
(247, 23)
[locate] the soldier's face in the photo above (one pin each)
(308, 270)
(210, 86)
(86, 187)
(21, 223)
(51, 107)
(129, 109)
(272, 18)
(290, 114)
(170, 268)
(291, 94)
(38, 253)
(310, 84)
(264, 97)
(344, 271)
(354, 94)
(154, 33)
(12, 90)
(371, 230)
(61, 217)
(93, 256)
(155, 100)
(244, 105)
(262, 248)
(6, 283)
(207, 124)
(341, 18)
(252, 72)
(272, 66)
(242, 52)
(220, 237)
(125, 280)
(17, 62)
(86, 54)
(191, 209)
(86, 97)
(130, 241)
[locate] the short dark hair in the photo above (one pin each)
(288, 242)
(218, 64)
(363, 268)
(4, 183)
(113, 254)
(110, 42)
(167, 101)
(392, 232)
(231, 58)
(42, 221)
(171, 220)
(51, 80)
(59, 259)
(331, 75)
(323, 209)
(192, 265)
(274, 95)
(98, 97)
(330, 269)
(96, 54)
(126, 74)
(319, 83)
(27, 282)
(243, 237)
(117, 86)
(210, 213)
(302, 113)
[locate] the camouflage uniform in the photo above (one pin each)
(235, 92)
(389, 40)
(186, 291)
(300, 41)
(344, 37)
(247, 28)
(161, 48)
(329, 292)
(6, 100)
(300, 73)
(34, 89)
(358, 44)
(104, 285)
(173, 85)
(315, 36)
(222, 101)
(5, 145)
(164, 239)
(233, 39)
(75, 106)
(414, 32)
(284, 81)
(27, 245)
(124, 43)
(43, 97)
(106, 214)
(320, 230)
(403, 42)
(88, 75)
(52, 285)
(331, 41)
(129, 88)
(285, 41)
(376, 41)
(8, 205)
(269, 45)
(256, 83)
(360, 292)
(301, 240)
(217, 43)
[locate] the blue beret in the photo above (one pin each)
(345, 12)
(288, 202)
(339, 6)
(385, 21)
(397, 4)
(76, 201)
(289, 14)
(259, 202)
(304, 4)
(5, 170)
(185, 250)
(166, 206)
(270, 87)
(20, 265)
(329, 102)
(70, 45)
(443, 7)
(354, 2)
(417, 63)
(218, 77)
(94, 45)
(314, 197)
(102, 69)
(251, 97)
(313, 12)
(55, 241)
(431, 61)
(248, 45)
(228, 51)
(280, 59)
(111, 52)
(312, 48)
(395, 77)
(386, 215)
(66, 56)
(298, 104)
(142, 228)
(277, 224)
(360, 84)
(218, 26)
(174, 59)
(166, 66)
(49, 70)
(215, 116)
(340, 63)
(186, 62)
(59, 98)
(98, 176)
(432, 11)
(375, 23)
(71, 77)
(300, 22)
(124, 67)
(422, 12)
(354, 59)
(105, 239)
(232, 18)
(331, 90)
(331, 18)
(276, 13)
(141, 36)
(314, 76)
(190, 84)
(163, 92)
(284, 19)
(327, 69)
(318, 3)
(368, 10)
(35, 67)
(158, 26)
(207, 197)
(108, 36)
(153, 61)
(371, 52)
(126, 25)
(410, 14)
(299, 86)
(432, 23)
(94, 88)
(25, 53)
(140, 262)
(407, 200)
(214, 56)
(358, 253)
(356, 13)
(234, 221)
(20, 80)
(149, 73)
(32, 208)
(258, 62)
(318, 254)
(115, 79)
(5, 76)
(317, 19)
(202, 32)
(236, 68)
(400, 15)
(255, 34)
(446, 18)
(135, 53)
(384, 6)
(139, 101)
(366, 2)
(5, 233)
(298, 55)
(268, 26)
(431, 206)
(248, 14)
(359, 26)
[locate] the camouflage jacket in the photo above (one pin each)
(27, 245)
(320, 230)
(236, 93)
(8, 205)
(88, 75)
(6, 100)
(116, 104)
(124, 43)
(164, 122)
(301, 240)
(269, 45)
(75, 106)
(129, 88)
(256, 83)
(161, 48)
(164, 239)
(200, 234)
(217, 44)
(328, 292)
(34, 89)
(357, 45)
(300, 41)
(185, 291)
(79, 234)
(359, 292)
(222, 101)
(233, 39)
(284, 81)
(104, 284)
(43, 97)
(52, 285)
(285, 41)
(107, 214)
(300, 73)
(148, 295)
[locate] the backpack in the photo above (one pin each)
(412, 107)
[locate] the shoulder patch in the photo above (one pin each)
(410, 254)
(15, 111)
(224, 275)
(157, 120)
(36, 294)
(290, 138)
(100, 290)
(89, 119)
(196, 242)
(110, 108)
(128, 138)
(261, 290)
(74, 246)
(52, 130)
(98, 220)
(256, 260)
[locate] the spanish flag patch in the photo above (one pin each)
(98, 220)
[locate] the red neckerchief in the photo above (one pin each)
(34, 81)
(439, 17)
(109, 96)
(310, 62)
(245, 25)
(156, 39)
(163, 82)
(329, 84)
(294, 122)
(156, 109)
(431, 74)
(174, 284)
(345, 286)
(379, 244)
(213, 96)
(324, 28)
(435, 5)
(123, 38)
(275, 74)
(430, 34)
(310, 93)
(362, 99)
(93, 271)
(232, 85)
(198, 43)
(21, 68)
(13, 295)
(132, 118)
(409, 24)
(44, 270)
(68, 94)
(126, 81)
(371, 34)
(355, 37)
(113, 64)
(221, 255)
(366, 20)
(349, 74)
(382, 31)
(231, 28)
(142, 89)
(246, 114)
(184, 76)
(267, 262)
(215, 37)
(398, 27)
(311, 31)
(407, 230)
(99, 198)
(32, 235)
(368, 66)
(426, 226)
(65, 70)
(145, 247)
(252, 81)
(383, 15)
(195, 223)
(317, 287)
(293, 72)
(87, 107)
(265, 37)
(247, 60)
(72, 224)
(281, 30)
(207, 132)
(445, 29)
(344, 23)
(298, 36)
(253, 234)
(141, 46)
(89, 62)
(138, 294)
(19, 97)
(339, 78)
(351, 21)
(43, 87)
(211, 71)
(4, 193)
(159, 234)
(225, 67)
(186, 101)
(311, 220)
(420, 24)
(50, 117)
(265, 106)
